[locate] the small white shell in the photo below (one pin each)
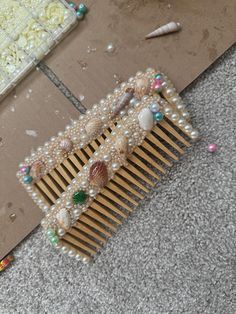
(165, 29)
(66, 145)
(64, 218)
(121, 145)
(145, 119)
(93, 126)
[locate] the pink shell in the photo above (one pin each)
(98, 174)
(37, 170)
(66, 145)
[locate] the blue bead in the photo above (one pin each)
(72, 5)
(27, 179)
(79, 14)
(158, 116)
(82, 8)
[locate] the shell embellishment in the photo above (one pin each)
(121, 146)
(145, 119)
(123, 101)
(165, 29)
(64, 219)
(66, 145)
(37, 170)
(98, 174)
(142, 87)
(93, 126)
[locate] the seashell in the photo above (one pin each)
(165, 29)
(93, 126)
(123, 101)
(64, 219)
(66, 144)
(37, 170)
(142, 87)
(145, 119)
(121, 145)
(98, 174)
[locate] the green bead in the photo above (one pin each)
(54, 240)
(50, 233)
(82, 8)
(79, 197)
(72, 4)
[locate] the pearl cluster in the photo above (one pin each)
(28, 31)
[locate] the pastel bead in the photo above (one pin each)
(73, 5)
(154, 107)
(158, 76)
(50, 233)
(27, 179)
(82, 8)
(158, 116)
(212, 148)
(25, 170)
(54, 240)
(80, 15)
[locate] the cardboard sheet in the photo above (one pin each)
(31, 114)
(208, 29)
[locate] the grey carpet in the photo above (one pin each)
(176, 253)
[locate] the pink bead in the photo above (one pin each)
(212, 148)
(24, 169)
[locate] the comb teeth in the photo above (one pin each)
(129, 152)
(122, 194)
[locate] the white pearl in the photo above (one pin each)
(122, 113)
(185, 114)
(126, 133)
(85, 260)
(92, 193)
(76, 212)
(168, 110)
(64, 249)
(194, 134)
(84, 184)
(71, 253)
(68, 204)
(181, 122)
(106, 158)
(188, 128)
(78, 257)
(180, 106)
(145, 97)
(174, 116)
(61, 232)
(115, 166)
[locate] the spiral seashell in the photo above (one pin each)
(93, 126)
(64, 219)
(98, 174)
(123, 101)
(66, 145)
(37, 170)
(142, 87)
(165, 29)
(121, 145)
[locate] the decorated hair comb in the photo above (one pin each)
(91, 176)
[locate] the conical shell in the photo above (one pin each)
(142, 87)
(165, 29)
(64, 219)
(93, 126)
(37, 170)
(145, 119)
(121, 145)
(123, 101)
(98, 174)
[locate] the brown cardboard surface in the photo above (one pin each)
(38, 106)
(208, 29)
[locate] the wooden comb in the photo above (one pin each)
(87, 225)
